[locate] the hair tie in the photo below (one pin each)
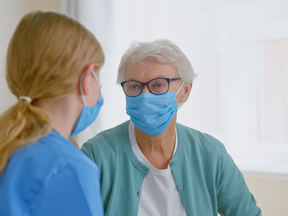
(25, 98)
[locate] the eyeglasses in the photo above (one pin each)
(133, 88)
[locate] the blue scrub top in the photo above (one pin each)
(50, 177)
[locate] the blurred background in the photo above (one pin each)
(238, 48)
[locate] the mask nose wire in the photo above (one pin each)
(180, 87)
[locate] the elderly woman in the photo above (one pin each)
(154, 166)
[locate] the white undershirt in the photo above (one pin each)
(159, 195)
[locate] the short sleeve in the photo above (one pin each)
(233, 195)
(69, 193)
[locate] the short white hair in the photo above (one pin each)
(164, 51)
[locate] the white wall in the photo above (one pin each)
(270, 192)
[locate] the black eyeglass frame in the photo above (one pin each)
(147, 83)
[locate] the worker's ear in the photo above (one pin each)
(87, 75)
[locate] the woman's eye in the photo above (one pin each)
(133, 86)
(159, 85)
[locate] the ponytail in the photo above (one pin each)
(21, 124)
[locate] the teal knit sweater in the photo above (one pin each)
(206, 177)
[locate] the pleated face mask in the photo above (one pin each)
(89, 113)
(152, 113)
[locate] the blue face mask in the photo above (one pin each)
(152, 113)
(88, 114)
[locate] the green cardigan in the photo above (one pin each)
(206, 177)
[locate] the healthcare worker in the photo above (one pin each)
(53, 65)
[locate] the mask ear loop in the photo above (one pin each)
(81, 90)
(83, 98)
(93, 72)
(180, 87)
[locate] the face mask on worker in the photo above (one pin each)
(89, 113)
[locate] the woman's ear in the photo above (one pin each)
(86, 76)
(187, 89)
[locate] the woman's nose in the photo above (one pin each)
(145, 89)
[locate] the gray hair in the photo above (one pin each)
(164, 51)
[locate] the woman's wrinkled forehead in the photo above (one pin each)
(149, 68)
